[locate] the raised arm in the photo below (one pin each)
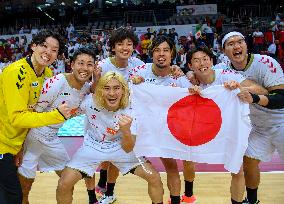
(128, 140)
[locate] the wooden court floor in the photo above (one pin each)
(210, 188)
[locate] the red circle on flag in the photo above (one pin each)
(194, 120)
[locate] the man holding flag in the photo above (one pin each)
(159, 72)
(200, 61)
(266, 110)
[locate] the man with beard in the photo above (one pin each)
(122, 44)
(159, 72)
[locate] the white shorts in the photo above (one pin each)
(264, 141)
(48, 156)
(87, 159)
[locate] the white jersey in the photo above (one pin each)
(267, 72)
(146, 72)
(101, 126)
(59, 67)
(106, 66)
(56, 91)
(224, 59)
(222, 76)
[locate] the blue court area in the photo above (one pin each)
(73, 127)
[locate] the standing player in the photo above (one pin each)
(20, 86)
(200, 61)
(267, 111)
(43, 148)
(109, 136)
(122, 43)
(159, 72)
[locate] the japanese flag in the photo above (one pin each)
(210, 129)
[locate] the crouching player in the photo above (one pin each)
(109, 136)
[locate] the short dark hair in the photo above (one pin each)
(159, 40)
(83, 50)
(40, 38)
(120, 34)
(204, 49)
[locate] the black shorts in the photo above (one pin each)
(10, 187)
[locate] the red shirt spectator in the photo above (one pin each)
(269, 37)
(258, 37)
(280, 36)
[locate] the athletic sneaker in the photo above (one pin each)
(247, 202)
(107, 199)
(99, 190)
(188, 200)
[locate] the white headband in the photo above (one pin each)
(230, 34)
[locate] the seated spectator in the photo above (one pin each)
(258, 41)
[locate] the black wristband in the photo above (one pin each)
(255, 98)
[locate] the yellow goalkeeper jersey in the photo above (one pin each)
(20, 88)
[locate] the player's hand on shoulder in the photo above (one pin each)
(137, 79)
(97, 72)
(176, 71)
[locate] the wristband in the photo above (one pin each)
(255, 98)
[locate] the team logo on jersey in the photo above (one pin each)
(228, 71)
(111, 131)
(269, 63)
(150, 80)
(35, 84)
(134, 70)
(21, 78)
(22, 70)
(173, 84)
(95, 109)
(19, 86)
(65, 94)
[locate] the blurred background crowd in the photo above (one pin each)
(189, 23)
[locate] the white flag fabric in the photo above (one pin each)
(211, 129)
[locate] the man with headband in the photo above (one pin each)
(267, 111)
